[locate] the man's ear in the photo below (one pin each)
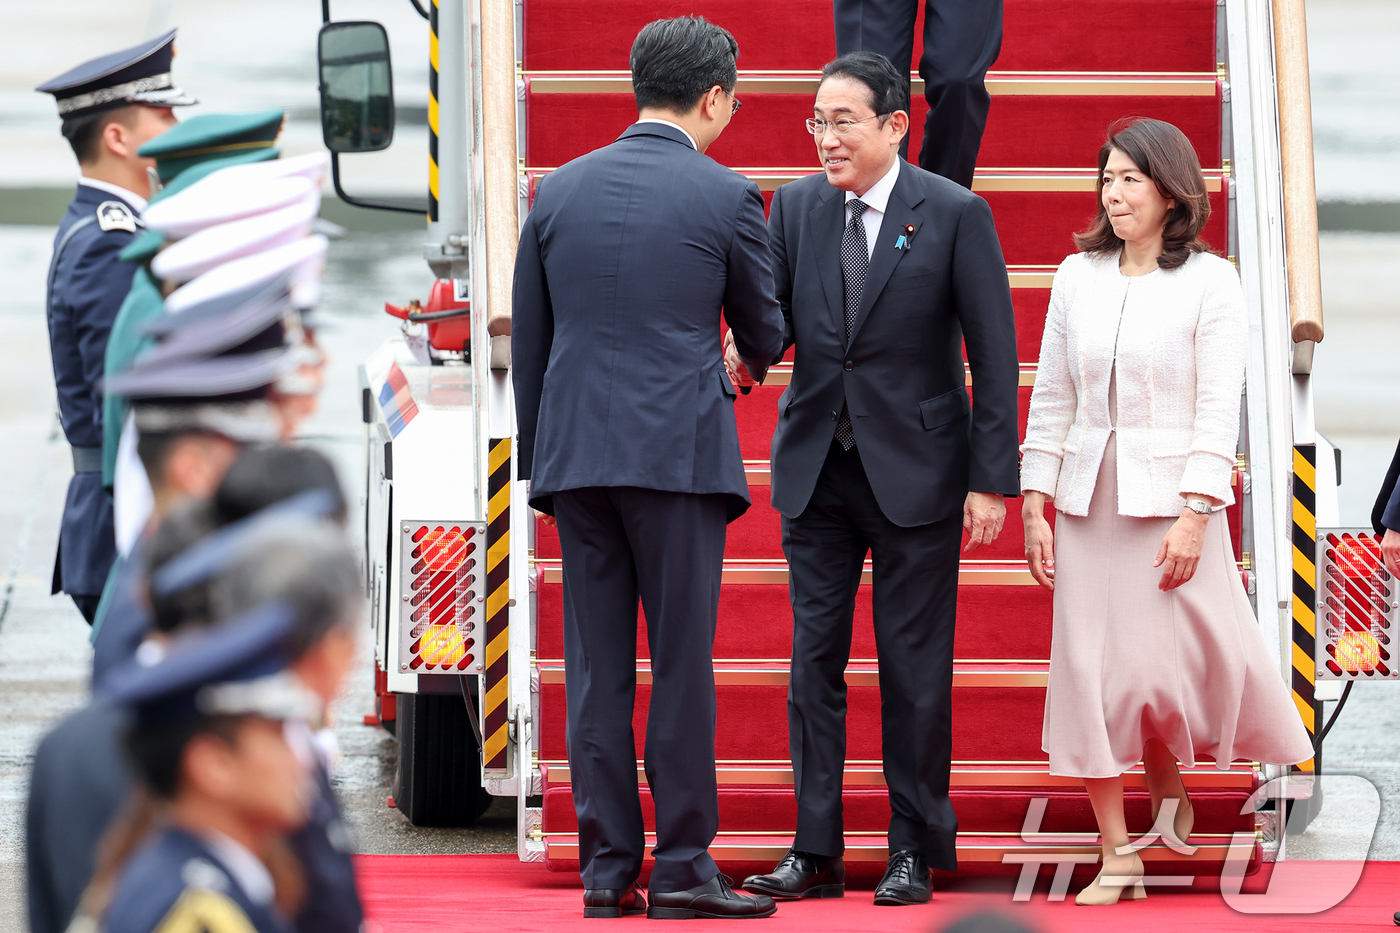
(116, 139)
(899, 123)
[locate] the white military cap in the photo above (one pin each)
(219, 199)
(211, 247)
(303, 259)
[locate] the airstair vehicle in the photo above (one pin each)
(465, 586)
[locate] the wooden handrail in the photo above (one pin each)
(502, 195)
(1299, 184)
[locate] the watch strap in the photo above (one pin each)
(1199, 506)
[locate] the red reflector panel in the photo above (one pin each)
(442, 597)
(1357, 607)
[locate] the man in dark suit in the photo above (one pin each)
(110, 106)
(962, 39)
(628, 438)
(883, 270)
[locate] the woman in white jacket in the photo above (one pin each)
(1156, 655)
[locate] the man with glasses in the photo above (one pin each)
(883, 271)
(628, 438)
(962, 39)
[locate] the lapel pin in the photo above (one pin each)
(906, 239)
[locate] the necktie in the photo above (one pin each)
(855, 259)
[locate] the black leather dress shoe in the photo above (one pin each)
(611, 902)
(907, 880)
(713, 900)
(802, 875)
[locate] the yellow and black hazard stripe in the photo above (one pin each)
(1305, 590)
(496, 664)
(433, 113)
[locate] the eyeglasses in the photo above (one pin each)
(734, 106)
(839, 127)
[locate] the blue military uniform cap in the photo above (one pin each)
(235, 668)
(229, 379)
(223, 136)
(259, 323)
(215, 553)
(138, 75)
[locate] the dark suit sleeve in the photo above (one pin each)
(532, 336)
(782, 274)
(982, 297)
(750, 308)
(97, 286)
(1385, 514)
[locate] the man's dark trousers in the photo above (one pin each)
(620, 543)
(915, 596)
(962, 39)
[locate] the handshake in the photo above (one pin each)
(734, 365)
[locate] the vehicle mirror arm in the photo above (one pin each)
(366, 203)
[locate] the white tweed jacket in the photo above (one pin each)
(1180, 374)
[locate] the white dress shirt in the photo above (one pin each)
(130, 197)
(876, 200)
(693, 144)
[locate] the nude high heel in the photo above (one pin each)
(1106, 889)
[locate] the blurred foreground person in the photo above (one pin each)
(110, 106)
(226, 366)
(183, 155)
(628, 438)
(210, 747)
(79, 785)
(1156, 655)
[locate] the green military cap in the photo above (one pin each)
(247, 137)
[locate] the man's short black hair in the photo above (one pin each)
(889, 90)
(84, 131)
(675, 61)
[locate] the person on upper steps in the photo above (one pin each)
(962, 39)
(628, 438)
(1155, 654)
(883, 271)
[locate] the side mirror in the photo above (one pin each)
(357, 87)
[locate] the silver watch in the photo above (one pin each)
(1199, 506)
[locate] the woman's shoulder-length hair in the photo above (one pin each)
(1164, 154)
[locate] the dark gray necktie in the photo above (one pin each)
(855, 259)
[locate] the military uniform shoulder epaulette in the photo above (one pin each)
(114, 215)
(207, 911)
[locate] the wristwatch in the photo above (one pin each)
(1199, 506)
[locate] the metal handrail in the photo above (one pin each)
(501, 200)
(1299, 188)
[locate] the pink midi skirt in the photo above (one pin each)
(1129, 662)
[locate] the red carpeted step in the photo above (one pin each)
(433, 893)
(755, 621)
(989, 723)
(979, 809)
(1033, 131)
(1037, 227)
(1040, 35)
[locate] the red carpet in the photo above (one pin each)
(442, 893)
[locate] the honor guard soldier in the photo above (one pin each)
(77, 786)
(224, 374)
(209, 745)
(110, 106)
(190, 151)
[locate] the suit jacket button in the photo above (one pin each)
(850, 366)
(835, 415)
